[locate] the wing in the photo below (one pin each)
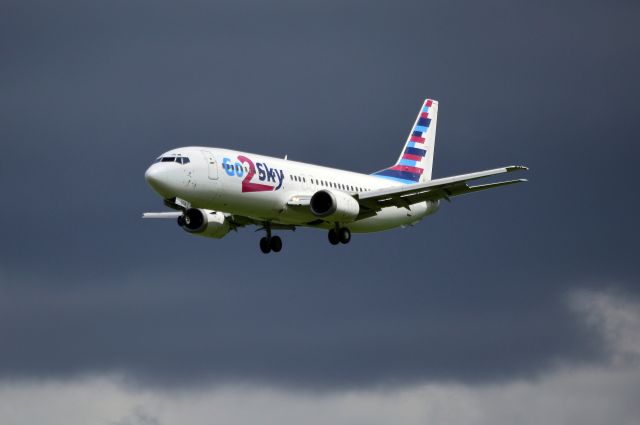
(170, 214)
(406, 195)
(242, 221)
(235, 221)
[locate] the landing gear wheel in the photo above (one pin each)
(275, 243)
(265, 246)
(181, 222)
(344, 235)
(334, 239)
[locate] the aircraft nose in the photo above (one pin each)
(158, 178)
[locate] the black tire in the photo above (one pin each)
(344, 235)
(275, 243)
(181, 221)
(265, 246)
(333, 237)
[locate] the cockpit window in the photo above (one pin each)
(178, 159)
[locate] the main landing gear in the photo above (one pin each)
(339, 235)
(270, 243)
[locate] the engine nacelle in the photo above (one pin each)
(212, 224)
(334, 206)
(432, 207)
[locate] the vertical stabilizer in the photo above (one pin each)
(416, 160)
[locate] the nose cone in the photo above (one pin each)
(159, 178)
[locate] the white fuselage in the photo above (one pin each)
(267, 189)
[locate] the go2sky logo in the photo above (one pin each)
(262, 170)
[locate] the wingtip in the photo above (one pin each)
(517, 168)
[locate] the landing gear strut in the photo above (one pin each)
(270, 243)
(339, 235)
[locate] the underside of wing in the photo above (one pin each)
(242, 221)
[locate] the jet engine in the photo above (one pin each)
(212, 224)
(334, 206)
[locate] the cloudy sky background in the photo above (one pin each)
(516, 305)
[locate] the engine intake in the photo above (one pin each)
(334, 206)
(201, 222)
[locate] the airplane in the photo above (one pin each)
(215, 191)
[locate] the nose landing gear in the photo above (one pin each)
(339, 235)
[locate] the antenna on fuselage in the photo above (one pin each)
(285, 157)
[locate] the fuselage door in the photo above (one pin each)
(212, 165)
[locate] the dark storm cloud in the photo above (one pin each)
(90, 94)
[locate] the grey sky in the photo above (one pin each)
(90, 94)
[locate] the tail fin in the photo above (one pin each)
(416, 160)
